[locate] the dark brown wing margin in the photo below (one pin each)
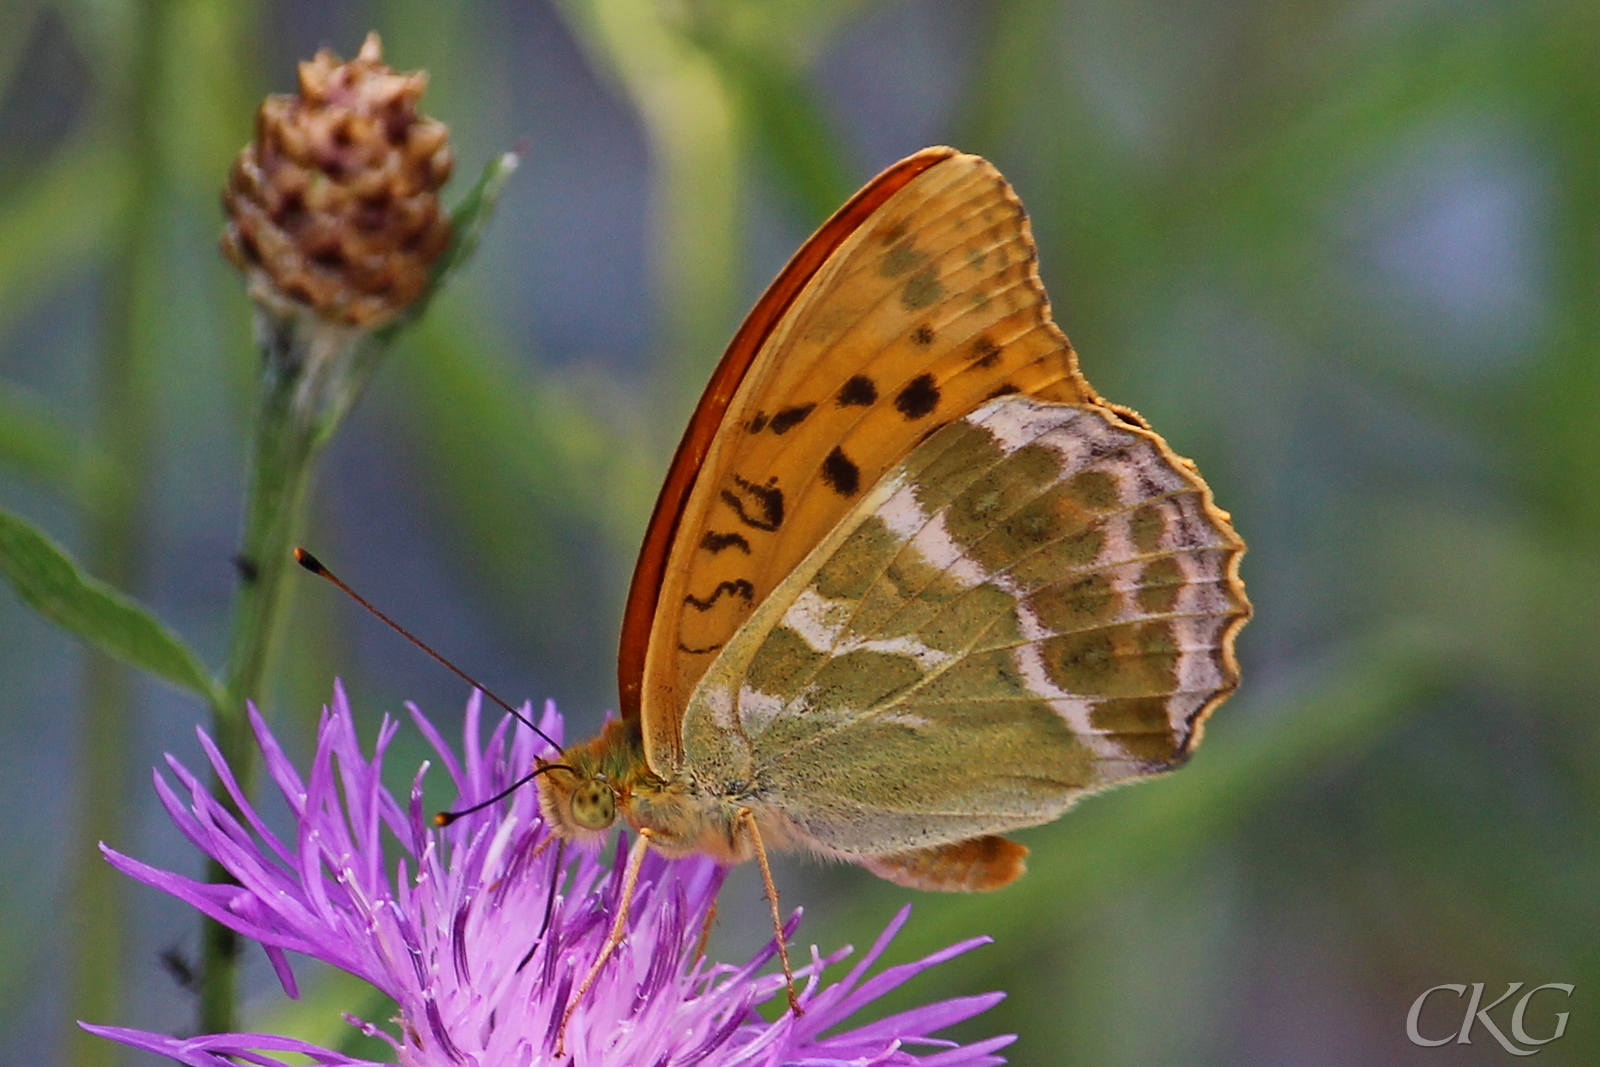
(747, 342)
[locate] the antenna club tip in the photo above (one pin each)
(308, 561)
(444, 818)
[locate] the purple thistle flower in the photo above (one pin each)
(462, 941)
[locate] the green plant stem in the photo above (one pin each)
(280, 480)
(313, 370)
(114, 538)
(312, 373)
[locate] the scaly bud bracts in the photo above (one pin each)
(334, 205)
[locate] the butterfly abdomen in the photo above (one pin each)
(973, 865)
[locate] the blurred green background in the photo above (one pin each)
(1344, 253)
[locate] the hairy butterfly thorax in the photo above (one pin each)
(605, 780)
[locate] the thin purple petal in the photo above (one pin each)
(280, 967)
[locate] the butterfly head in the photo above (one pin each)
(578, 801)
(583, 794)
(593, 805)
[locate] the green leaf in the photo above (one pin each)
(1021, 35)
(806, 156)
(39, 443)
(472, 215)
(53, 224)
(687, 113)
(47, 578)
(33, 442)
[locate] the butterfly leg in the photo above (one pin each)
(705, 931)
(748, 818)
(630, 882)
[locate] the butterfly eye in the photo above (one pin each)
(593, 805)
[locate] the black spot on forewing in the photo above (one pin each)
(765, 503)
(790, 417)
(922, 335)
(1003, 389)
(985, 353)
(739, 587)
(757, 423)
(698, 651)
(918, 398)
(840, 474)
(714, 542)
(857, 392)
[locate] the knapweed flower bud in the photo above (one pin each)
(334, 206)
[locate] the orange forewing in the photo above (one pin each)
(914, 305)
(645, 589)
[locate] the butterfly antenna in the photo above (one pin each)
(315, 566)
(445, 818)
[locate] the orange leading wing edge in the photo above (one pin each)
(645, 589)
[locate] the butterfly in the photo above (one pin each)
(910, 582)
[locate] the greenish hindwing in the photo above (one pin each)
(1039, 601)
